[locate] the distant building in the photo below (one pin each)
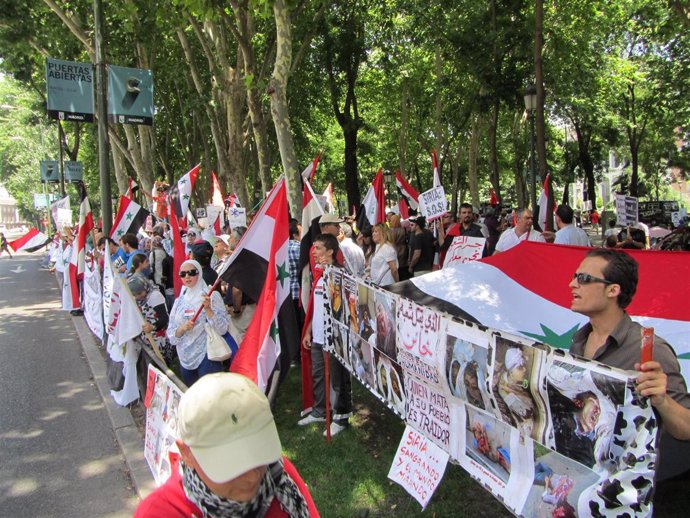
(9, 214)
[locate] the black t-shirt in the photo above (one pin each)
(425, 243)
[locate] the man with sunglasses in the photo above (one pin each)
(602, 287)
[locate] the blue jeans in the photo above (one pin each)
(205, 367)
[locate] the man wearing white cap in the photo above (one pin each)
(232, 464)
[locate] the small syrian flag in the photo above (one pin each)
(217, 201)
(409, 197)
(259, 267)
(129, 219)
(233, 200)
(328, 197)
(132, 187)
(373, 210)
(310, 170)
(311, 212)
(181, 192)
(544, 201)
(30, 242)
(437, 175)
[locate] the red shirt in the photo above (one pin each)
(170, 501)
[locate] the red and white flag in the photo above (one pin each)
(30, 242)
(310, 170)
(131, 187)
(217, 201)
(259, 267)
(409, 197)
(77, 261)
(328, 196)
(374, 205)
(180, 195)
(543, 202)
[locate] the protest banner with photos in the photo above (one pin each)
(505, 408)
(626, 210)
(433, 204)
(464, 249)
(161, 402)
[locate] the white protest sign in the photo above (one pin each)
(237, 217)
(418, 466)
(428, 411)
(161, 402)
(418, 330)
(464, 249)
(64, 217)
(433, 204)
(626, 209)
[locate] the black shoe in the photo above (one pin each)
(76, 312)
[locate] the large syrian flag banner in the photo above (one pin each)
(525, 291)
(129, 219)
(259, 267)
(30, 242)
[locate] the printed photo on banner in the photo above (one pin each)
(487, 447)
(163, 399)
(362, 360)
(467, 364)
(583, 403)
(419, 330)
(557, 485)
(350, 297)
(385, 324)
(334, 282)
(389, 382)
(366, 311)
(341, 344)
(428, 411)
(515, 386)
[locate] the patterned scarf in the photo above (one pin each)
(275, 484)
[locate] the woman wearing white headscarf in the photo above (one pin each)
(190, 337)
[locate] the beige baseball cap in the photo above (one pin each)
(227, 423)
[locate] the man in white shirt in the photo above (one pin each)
(352, 252)
(568, 233)
(522, 231)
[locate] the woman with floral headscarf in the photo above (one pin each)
(152, 304)
(188, 335)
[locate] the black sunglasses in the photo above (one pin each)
(585, 278)
(191, 273)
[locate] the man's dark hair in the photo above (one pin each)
(131, 240)
(565, 213)
(294, 231)
(330, 242)
(466, 206)
(105, 240)
(620, 269)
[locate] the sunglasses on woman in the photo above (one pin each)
(191, 273)
(585, 278)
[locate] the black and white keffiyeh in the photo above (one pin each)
(275, 484)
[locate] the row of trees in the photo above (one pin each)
(256, 88)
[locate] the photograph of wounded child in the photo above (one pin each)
(488, 443)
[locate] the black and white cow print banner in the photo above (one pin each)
(547, 433)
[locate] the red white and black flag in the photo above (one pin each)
(181, 192)
(310, 170)
(129, 219)
(77, 261)
(409, 197)
(259, 267)
(30, 242)
(373, 210)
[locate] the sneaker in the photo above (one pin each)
(335, 429)
(311, 419)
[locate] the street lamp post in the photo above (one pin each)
(387, 181)
(530, 97)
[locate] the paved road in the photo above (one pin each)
(58, 456)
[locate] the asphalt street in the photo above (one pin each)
(58, 453)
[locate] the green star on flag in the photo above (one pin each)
(185, 196)
(183, 180)
(282, 274)
(273, 331)
(129, 215)
(120, 232)
(552, 338)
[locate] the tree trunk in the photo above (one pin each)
(351, 183)
(493, 151)
(404, 124)
(438, 112)
(279, 106)
(472, 160)
(539, 79)
(120, 170)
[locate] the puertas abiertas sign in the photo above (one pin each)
(130, 95)
(69, 87)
